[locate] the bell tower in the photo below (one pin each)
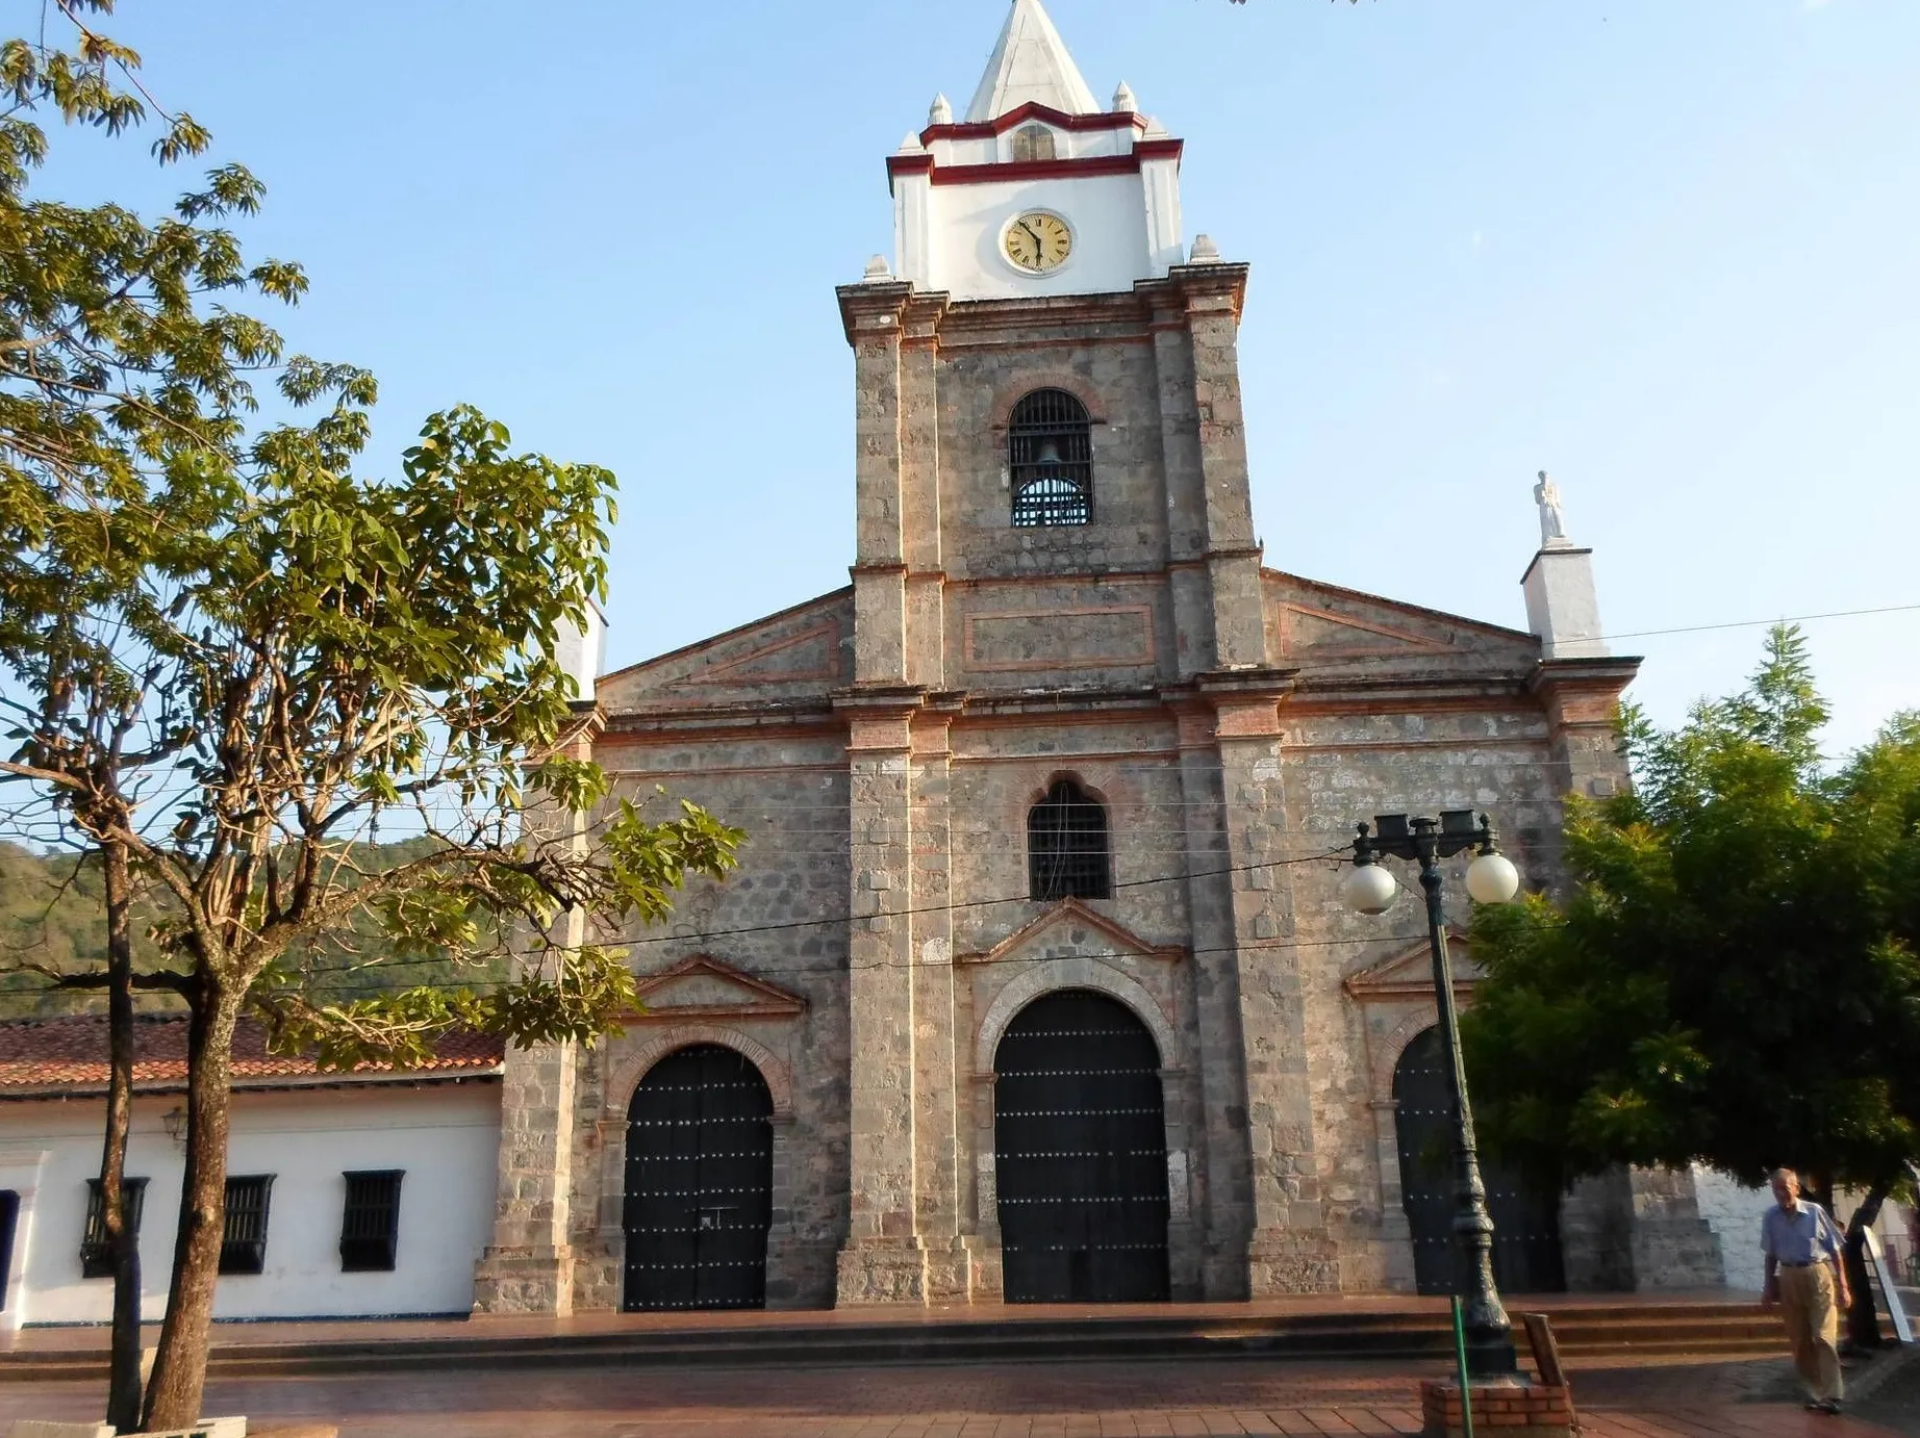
(1055, 552)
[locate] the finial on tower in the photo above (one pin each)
(1205, 251)
(878, 271)
(1124, 102)
(942, 111)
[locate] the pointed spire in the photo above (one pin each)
(1030, 63)
(941, 113)
(1124, 100)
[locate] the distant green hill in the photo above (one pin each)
(51, 915)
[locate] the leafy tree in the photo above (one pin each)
(1734, 978)
(116, 380)
(228, 660)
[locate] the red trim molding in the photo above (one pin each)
(1069, 169)
(1034, 110)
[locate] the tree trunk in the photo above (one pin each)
(180, 1368)
(1863, 1319)
(123, 1242)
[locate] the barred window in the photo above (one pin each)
(96, 1258)
(370, 1228)
(1067, 849)
(243, 1247)
(1050, 459)
(1033, 142)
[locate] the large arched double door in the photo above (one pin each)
(1080, 1154)
(1526, 1222)
(699, 1190)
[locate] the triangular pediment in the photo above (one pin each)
(1072, 929)
(704, 987)
(1321, 632)
(1408, 974)
(811, 654)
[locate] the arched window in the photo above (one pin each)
(1033, 142)
(1050, 455)
(1067, 845)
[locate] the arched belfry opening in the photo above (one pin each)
(1526, 1223)
(1080, 1153)
(1069, 847)
(1050, 460)
(699, 1190)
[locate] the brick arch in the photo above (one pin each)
(624, 1076)
(1012, 391)
(1387, 1057)
(1078, 776)
(1078, 972)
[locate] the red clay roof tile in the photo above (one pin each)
(69, 1055)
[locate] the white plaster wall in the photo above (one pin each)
(1108, 214)
(1733, 1210)
(444, 1136)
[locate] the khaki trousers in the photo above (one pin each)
(1813, 1326)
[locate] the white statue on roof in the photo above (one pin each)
(1553, 518)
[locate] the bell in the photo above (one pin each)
(1049, 453)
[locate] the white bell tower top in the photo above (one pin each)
(1038, 191)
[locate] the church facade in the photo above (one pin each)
(1034, 983)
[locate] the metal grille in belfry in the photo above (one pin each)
(1050, 458)
(1526, 1222)
(1080, 1156)
(699, 1183)
(1067, 846)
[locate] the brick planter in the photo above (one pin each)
(1502, 1408)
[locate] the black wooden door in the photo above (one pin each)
(699, 1183)
(1080, 1154)
(1526, 1224)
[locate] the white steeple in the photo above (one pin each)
(1030, 63)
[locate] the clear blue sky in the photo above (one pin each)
(1668, 249)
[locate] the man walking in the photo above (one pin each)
(1807, 1277)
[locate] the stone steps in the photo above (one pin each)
(1718, 1329)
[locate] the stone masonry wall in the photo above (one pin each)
(790, 795)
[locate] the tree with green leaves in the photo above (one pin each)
(1735, 976)
(230, 665)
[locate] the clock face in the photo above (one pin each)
(1038, 242)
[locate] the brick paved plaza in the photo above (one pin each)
(1714, 1400)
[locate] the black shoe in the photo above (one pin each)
(1831, 1407)
(1814, 1405)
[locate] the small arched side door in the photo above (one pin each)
(699, 1183)
(1526, 1223)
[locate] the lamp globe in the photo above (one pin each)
(1369, 889)
(1492, 879)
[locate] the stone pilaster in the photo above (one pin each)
(872, 315)
(1214, 557)
(882, 1261)
(1214, 294)
(937, 1102)
(1582, 702)
(1289, 1248)
(528, 1268)
(1223, 1171)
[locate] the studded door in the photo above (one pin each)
(699, 1183)
(1526, 1224)
(1080, 1154)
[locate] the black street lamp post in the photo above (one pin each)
(1491, 878)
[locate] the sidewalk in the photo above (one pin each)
(1016, 1400)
